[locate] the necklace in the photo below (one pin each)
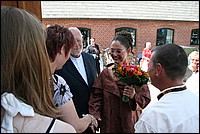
(170, 90)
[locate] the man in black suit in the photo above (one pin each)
(79, 72)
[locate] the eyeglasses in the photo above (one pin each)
(118, 51)
(195, 60)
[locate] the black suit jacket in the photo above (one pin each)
(80, 90)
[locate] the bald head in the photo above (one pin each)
(75, 31)
(79, 45)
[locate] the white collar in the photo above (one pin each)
(181, 86)
(76, 59)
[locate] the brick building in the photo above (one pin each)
(159, 22)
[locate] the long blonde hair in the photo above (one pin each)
(25, 69)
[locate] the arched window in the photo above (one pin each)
(164, 36)
(194, 37)
(86, 32)
(131, 30)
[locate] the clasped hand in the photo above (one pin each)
(129, 91)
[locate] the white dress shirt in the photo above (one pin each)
(192, 83)
(175, 112)
(79, 64)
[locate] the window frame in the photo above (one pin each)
(193, 37)
(128, 29)
(164, 40)
(86, 32)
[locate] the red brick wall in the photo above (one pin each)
(104, 29)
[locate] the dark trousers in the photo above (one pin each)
(97, 66)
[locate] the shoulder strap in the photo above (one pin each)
(50, 126)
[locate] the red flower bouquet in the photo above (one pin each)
(131, 75)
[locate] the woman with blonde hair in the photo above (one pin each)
(146, 54)
(193, 66)
(26, 84)
(194, 61)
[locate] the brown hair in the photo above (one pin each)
(25, 69)
(125, 38)
(57, 37)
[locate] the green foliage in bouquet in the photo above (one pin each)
(131, 75)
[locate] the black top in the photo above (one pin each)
(91, 50)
